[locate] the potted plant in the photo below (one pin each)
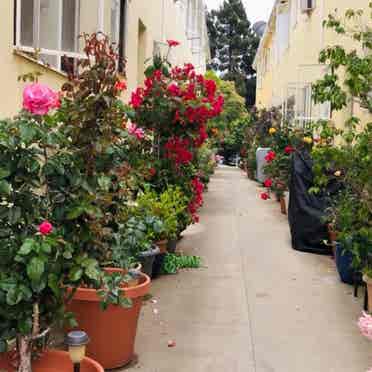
(36, 261)
(135, 242)
(91, 183)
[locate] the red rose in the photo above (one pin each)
(264, 196)
(45, 228)
(120, 85)
(270, 156)
(173, 43)
(289, 149)
(268, 182)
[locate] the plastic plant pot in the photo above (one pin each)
(147, 259)
(172, 245)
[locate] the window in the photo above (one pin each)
(52, 28)
(282, 29)
(294, 12)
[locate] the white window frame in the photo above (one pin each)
(36, 32)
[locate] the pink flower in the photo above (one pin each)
(268, 182)
(135, 131)
(45, 228)
(264, 196)
(38, 99)
(365, 325)
(173, 43)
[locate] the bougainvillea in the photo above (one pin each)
(197, 200)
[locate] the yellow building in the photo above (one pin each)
(139, 28)
(287, 59)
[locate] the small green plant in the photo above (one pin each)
(137, 235)
(174, 262)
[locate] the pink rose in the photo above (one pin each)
(39, 99)
(365, 325)
(45, 228)
(135, 131)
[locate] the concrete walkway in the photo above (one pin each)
(258, 306)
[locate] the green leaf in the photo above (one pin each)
(35, 269)
(75, 274)
(27, 133)
(27, 247)
(104, 183)
(46, 248)
(53, 284)
(5, 187)
(4, 173)
(126, 302)
(14, 296)
(75, 212)
(24, 326)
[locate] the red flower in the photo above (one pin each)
(120, 85)
(264, 196)
(268, 182)
(202, 136)
(45, 228)
(173, 43)
(174, 90)
(210, 86)
(289, 149)
(177, 150)
(197, 200)
(270, 156)
(190, 93)
(152, 172)
(137, 98)
(157, 75)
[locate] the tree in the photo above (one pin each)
(230, 123)
(233, 47)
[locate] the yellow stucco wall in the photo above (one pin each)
(159, 17)
(299, 63)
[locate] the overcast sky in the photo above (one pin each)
(257, 10)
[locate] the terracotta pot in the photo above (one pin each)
(283, 206)
(162, 244)
(112, 332)
(368, 282)
(53, 361)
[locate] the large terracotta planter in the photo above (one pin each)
(368, 282)
(112, 332)
(53, 361)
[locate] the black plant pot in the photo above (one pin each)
(344, 265)
(172, 245)
(147, 259)
(157, 265)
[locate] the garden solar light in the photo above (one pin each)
(76, 342)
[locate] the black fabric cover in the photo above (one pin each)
(306, 211)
